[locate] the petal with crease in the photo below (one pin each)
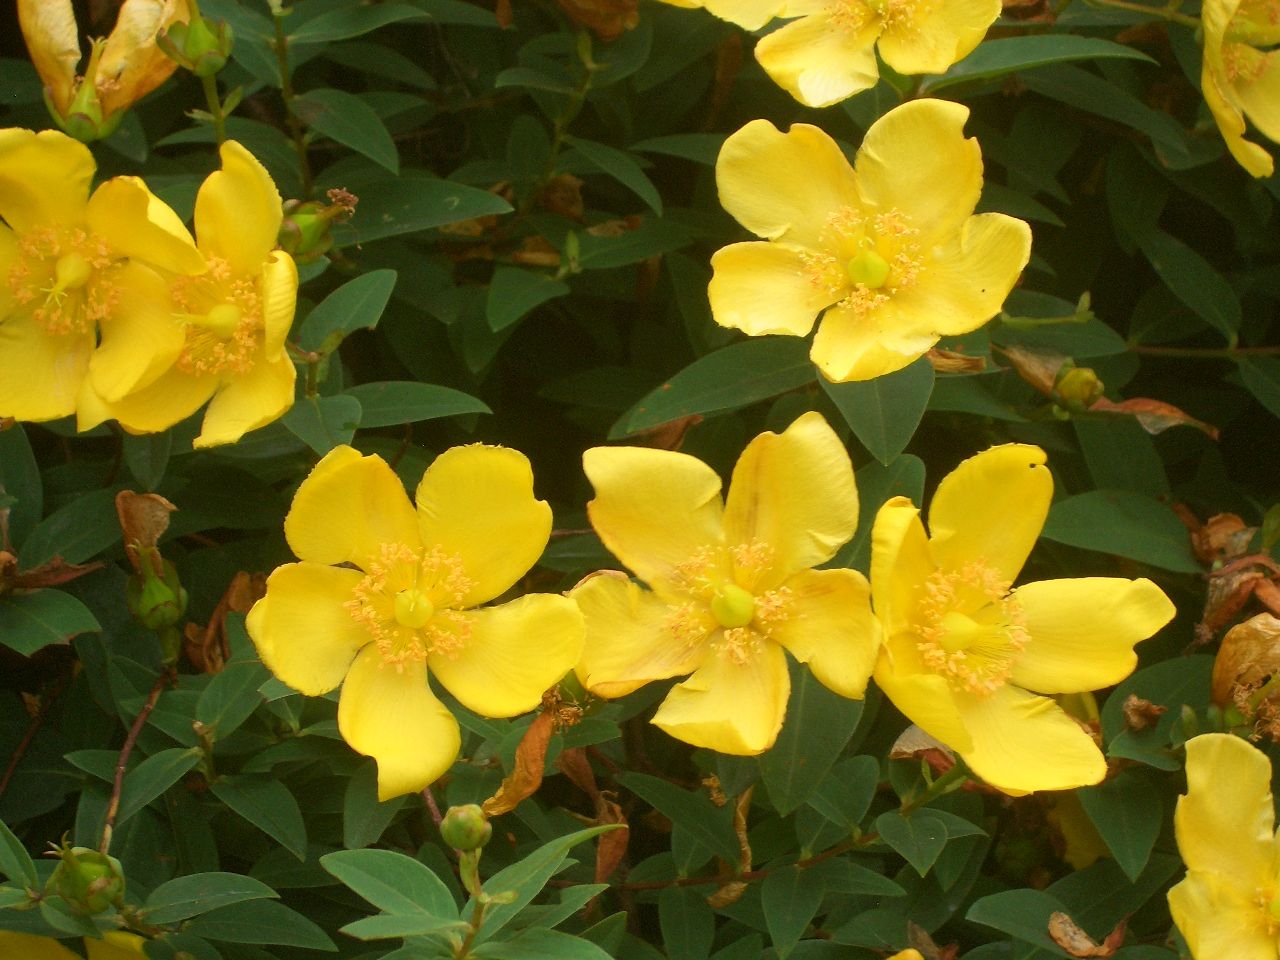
(766, 288)
(1226, 831)
(829, 626)
(44, 179)
(141, 339)
(251, 400)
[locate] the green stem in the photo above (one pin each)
(953, 779)
(296, 130)
(1168, 13)
(215, 108)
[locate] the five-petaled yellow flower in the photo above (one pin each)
(889, 248)
(385, 594)
(962, 651)
(72, 265)
(114, 945)
(223, 335)
(1239, 78)
(122, 69)
(1228, 905)
(730, 583)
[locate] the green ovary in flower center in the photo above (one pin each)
(968, 628)
(223, 317)
(732, 606)
(63, 276)
(413, 609)
(869, 269)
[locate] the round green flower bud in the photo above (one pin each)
(466, 827)
(87, 879)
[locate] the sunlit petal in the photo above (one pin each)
(139, 225)
(170, 398)
(141, 339)
(40, 374)
(765, 288)
(900, 563)
(1227, 830)
(818, 62)
(925, 699)
(1220, 919)
(238, 212)
(937, 35)
(829, 626)
(854, 345)
(44, 178)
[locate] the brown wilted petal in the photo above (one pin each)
(1140, 714)
(949, 361)
(1154, 416)
(144, 517)
(526, 777)
(1038, 369)
(1248, 657)
(1067, 934)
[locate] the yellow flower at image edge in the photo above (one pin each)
(889, 248)
(730, 583)
(115, 945)
(386, 594)
(72, 265)
(1241, 80)
(1228, 905)
(963, 651)
(225, 342)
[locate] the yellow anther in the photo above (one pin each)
(732, 606)
(869, 269)
(413, 609)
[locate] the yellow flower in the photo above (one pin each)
(122, 69)
(115, 945)
(225, 338)
(889, 248)
(1228, 905)
(71, 263)
(1240, 80)
(730, 583)
(962, 650)
(385, 594)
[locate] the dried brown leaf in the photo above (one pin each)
(1140, 714)
(1249, 655)
(1067, 934)
(1154, 416)
(526, 777)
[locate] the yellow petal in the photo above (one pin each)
(53, 41)
(346, 508)
(819, 62)
(10, 250)
(140, 340)
(765, 288)
(141, 226)
(515, 653)
(654, 509)
(132, 65)
(44, 179)
(784, 185)
(629, 636)
(730, 707)
(251, 400)
(40, 374)
(477, 502)
(1259, 94)
(26, 946)
(1082, 631)
(991, 509)
(937, 35)
(279, 301)
(303, 633)
(238, 211)
(965, 282)
(1023, 743)
(1220, 918)
(748, 14)
(115, 945)
(1224, 823)
(853, 345)
(900, 563)
(926, 699)
(916, 160)
(793, 492)
(829, 626)
(1227, 114)
(169, 399)
(389, 713)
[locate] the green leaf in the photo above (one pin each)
(35, 620)
(152, 777)
(258, 922)
(652, 237)
(529, 79)
(189, 896)
(1023, 914)
(269, 806)
(354, 21)
(363, 817)
(711, 825)
(701, 148)
(997, 58)
(536, 943)
(77, 532)
(790, 898)
(344, 117)
(1127, 812)
(458, 12)
(394, 925)
(1261, 377)
(323, 423)
(883, 413)
(920, 835)
(393, 402)
(20, 478)
(231, 697)
(15, 862)
(356, 305)
(392, 882)
(619, 165)
(732, 377)
(844, 796)
(1126, 524)
(818, 725)
(1170, 684)
(414, 202)
(513, 293)
(687, 923)
(147, 457)
(1194, 281)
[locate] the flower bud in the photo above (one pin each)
(87, 879)
(1077, 387)
(305, 232)
(156, 601)
(466, 828)
(201, 46)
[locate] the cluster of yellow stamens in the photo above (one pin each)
(863, 260)
(970, 630)
(409, 600)
(62, 273)
(223, 315)
(853, 16)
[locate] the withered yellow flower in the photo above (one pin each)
(1241, 79)
(963, 649)
(730, 583)
(385, 595)
(888, 250)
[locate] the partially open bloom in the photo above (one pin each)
(731, 584)
(962, 650)
(71, 265)
(114, 945)
(1228, 905)
(226, 330)
(122, 69)
(1239, 78)
(386, 594)
(889, 248)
